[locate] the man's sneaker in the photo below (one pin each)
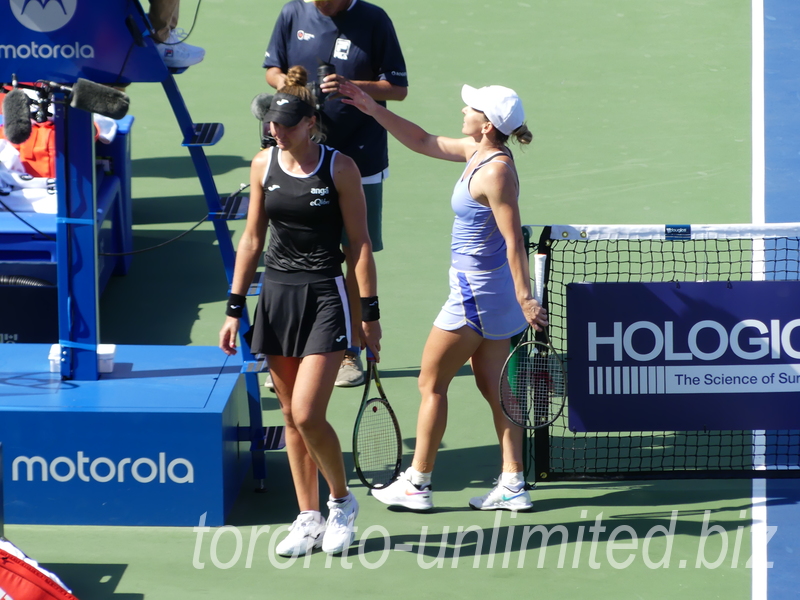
(177, 54)
(305, 534)
(503, 498)
(351, 373)
(339, 530)
(403, 493)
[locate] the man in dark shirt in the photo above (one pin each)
(359, 41)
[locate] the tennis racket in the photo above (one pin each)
(377, 445)
(533, 381)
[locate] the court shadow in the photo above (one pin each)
(158, 301)
(92, 581)
(661, 496)
(460, 468)
(518, 540)
(276, 504)
(182, 167)
(464, 371)
(159, 210)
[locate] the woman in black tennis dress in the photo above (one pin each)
(304, 193)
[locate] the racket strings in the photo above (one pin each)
(376, 451)
(532, 388)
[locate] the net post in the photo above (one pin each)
(541, 436)
(544, 247)
(527, 234)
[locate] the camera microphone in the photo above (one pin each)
(97, 98)
(259, 107)
(17, 116)
(84, 95)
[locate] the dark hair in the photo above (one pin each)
(522, 135)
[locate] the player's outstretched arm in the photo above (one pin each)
(377, 90)
(407, 133)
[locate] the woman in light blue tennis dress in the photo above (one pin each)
(490, 295)
(482, 294)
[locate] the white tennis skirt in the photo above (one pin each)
(484, 301)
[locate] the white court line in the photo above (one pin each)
(758, 536)
(758, 526)
(757, 116)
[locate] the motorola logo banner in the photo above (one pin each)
(44, 15)
(102, 469)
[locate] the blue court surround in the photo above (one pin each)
(782, 204)
(782, 110)
(784, 548)
(156, 442)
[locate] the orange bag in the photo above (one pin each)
(38, 152)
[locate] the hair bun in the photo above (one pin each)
(297, 76)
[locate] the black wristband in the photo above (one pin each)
(370, 310)
(235, 306)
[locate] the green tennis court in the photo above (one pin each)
(641, 114)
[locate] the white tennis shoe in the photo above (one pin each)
(340, 528)
(305, 534)
(177, 54)
(351, 371)
(268, 382)
(403, 493)
(502, 497)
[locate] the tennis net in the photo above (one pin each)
(660, 253)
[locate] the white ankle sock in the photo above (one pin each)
(512, 480)
(340, 500)
(417, 478)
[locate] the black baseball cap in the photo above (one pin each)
(287, 110)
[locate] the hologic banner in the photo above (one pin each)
(683, 356)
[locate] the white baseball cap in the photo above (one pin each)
(501, 105)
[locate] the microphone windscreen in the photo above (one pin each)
(260, 105)
(101, 99)
(17, 116)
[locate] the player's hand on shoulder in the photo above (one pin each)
(355, 96)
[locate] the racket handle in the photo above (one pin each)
(370, 355)
(539, 261)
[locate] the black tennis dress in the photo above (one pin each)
(303, 306)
